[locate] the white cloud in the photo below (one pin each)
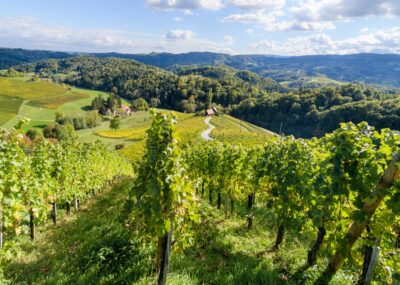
(270, 22)
(250, 18)
(180, 34)
(186, 5)
(377, 41)
(258, 4)
(334, 10)
(27, 32)
(229, 40)
(304, 26)
(250, 32)
(178, 19)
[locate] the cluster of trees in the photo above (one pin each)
(345, 184)
(38, 176)
(101, 105)
(64, 126)
(314, 112)
(11, 72)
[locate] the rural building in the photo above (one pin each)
(126, 110)
(211, 112)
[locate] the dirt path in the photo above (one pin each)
(206, 134)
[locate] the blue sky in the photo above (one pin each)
(285, 27)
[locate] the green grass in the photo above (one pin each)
(91, 247)
(30, 90)
(99, 246)
(57, 101)
(231, 130)
(40, 116)
(9, 107)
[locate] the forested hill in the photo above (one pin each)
(188, 92)
(302, 112)
(381, 69)
(12, 57)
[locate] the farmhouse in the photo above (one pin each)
(211, 112)
(126, 110)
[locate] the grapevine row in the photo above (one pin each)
(345, 184)
(36, 177)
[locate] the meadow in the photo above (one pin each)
(39, 101)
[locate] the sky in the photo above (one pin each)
(274, 27)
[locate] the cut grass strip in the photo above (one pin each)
(9, 107)
(55, 102)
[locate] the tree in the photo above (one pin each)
(154, 102)
(60, 117)
(209, 99)
(33, 134)
(140, 105)
(97, 103)
(115, 123)
(60, 132)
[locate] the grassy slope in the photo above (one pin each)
(189, 127)
(231, 130)
(44, 100)
(97, 246)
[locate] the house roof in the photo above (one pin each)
(125, 108)
(210, 112)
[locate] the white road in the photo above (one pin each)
(206, 134)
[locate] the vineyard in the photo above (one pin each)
(39, 178)
(278, 211)
(344, 186)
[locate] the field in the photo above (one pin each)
(9, 107)
(21, 88)
(57, 101)
(188, 129)
(39, 100)
(231, 130)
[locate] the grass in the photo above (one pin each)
(30, 90)
(58, 101)
(231, 130)
(133, 132)
(41, 115)
(9, 107)
(98, 246)
(91, 247)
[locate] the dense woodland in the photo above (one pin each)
(303, 112)
(315, 112)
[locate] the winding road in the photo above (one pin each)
(206, 134)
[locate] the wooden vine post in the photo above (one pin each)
(54, 213)
(358, 226)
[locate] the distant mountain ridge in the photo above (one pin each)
(382, 69)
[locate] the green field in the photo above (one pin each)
(20, 87)
(9, 107)
(57, 101)
(39, 101)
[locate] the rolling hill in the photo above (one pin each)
(381, 69)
